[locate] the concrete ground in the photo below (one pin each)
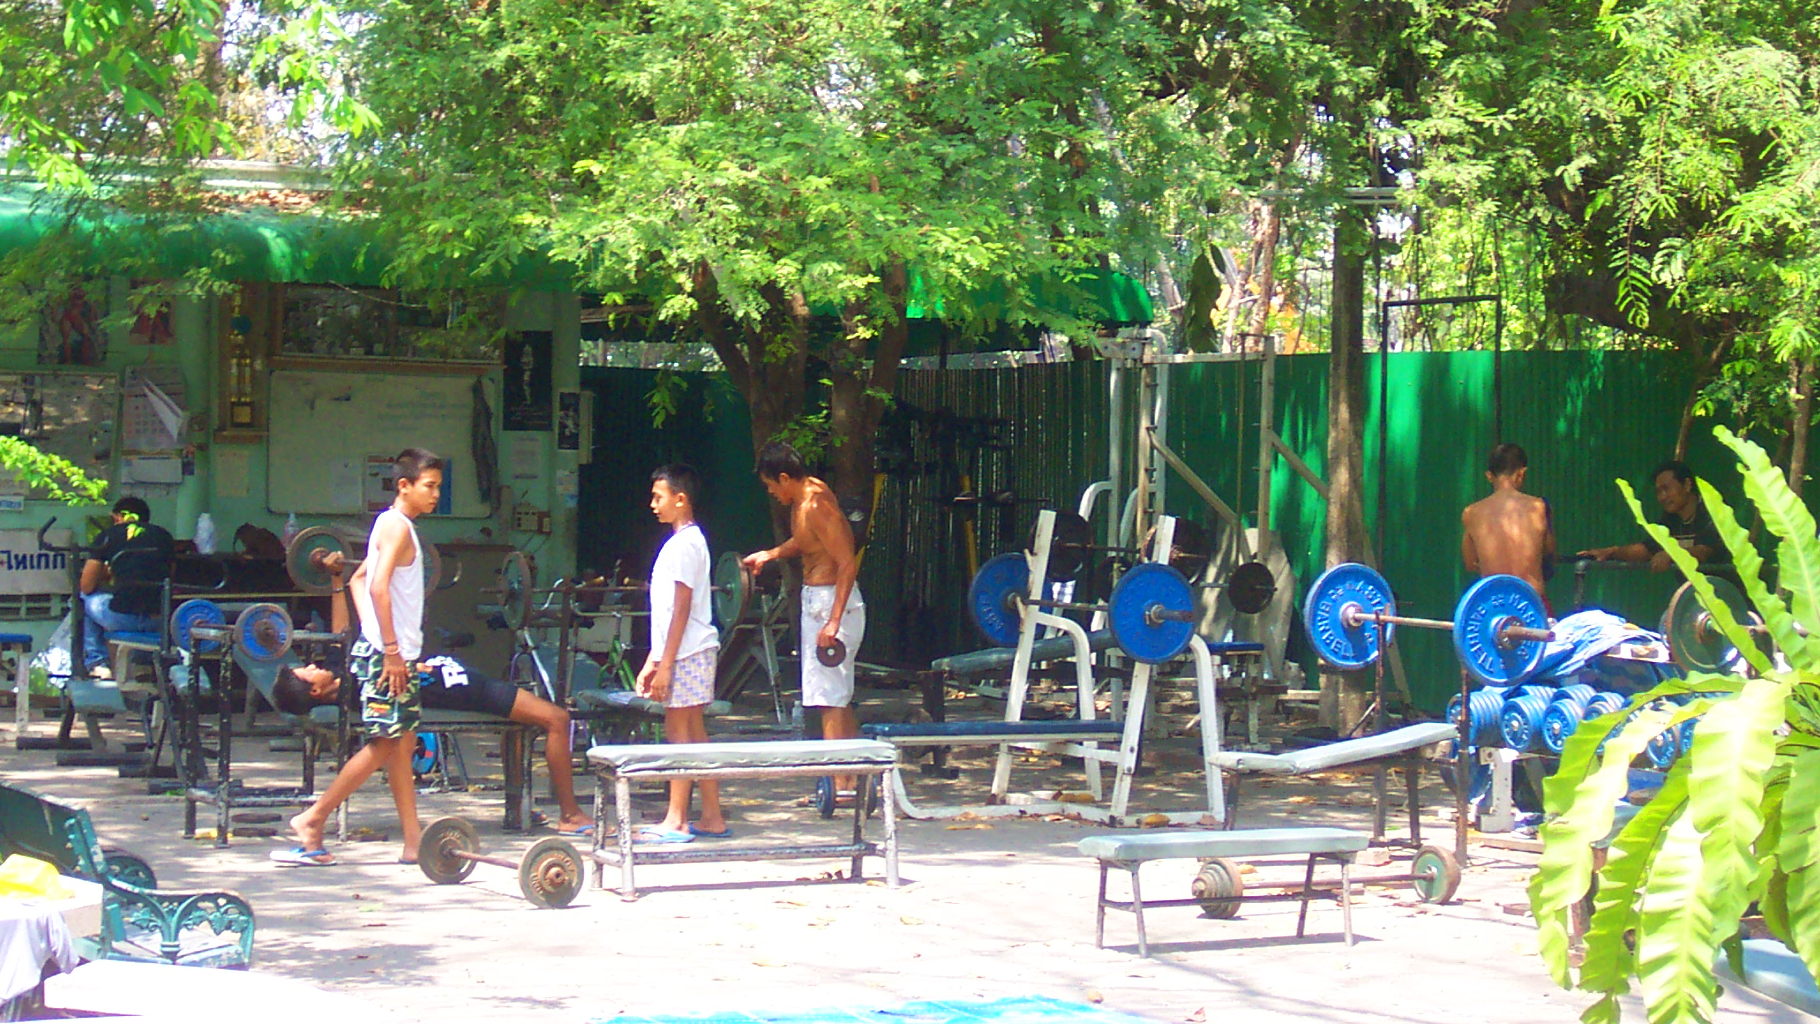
(989, 909)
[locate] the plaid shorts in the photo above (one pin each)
(692, 679)
(382, 714)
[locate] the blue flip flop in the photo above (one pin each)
(298, 857)
(658, 834)
(696, 830)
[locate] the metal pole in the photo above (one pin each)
(1267, 455)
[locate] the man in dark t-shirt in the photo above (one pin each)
(1686, 519)
(132, 557)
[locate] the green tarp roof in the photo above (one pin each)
(262, 244)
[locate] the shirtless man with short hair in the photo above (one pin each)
(832, 606)
(1509, 531)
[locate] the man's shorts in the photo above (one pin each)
(451, 686)
(825, 686)
(692, 679)
(381, 714)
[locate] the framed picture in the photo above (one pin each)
(69, 328)
(528, 380)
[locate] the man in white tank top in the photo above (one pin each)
(388, 596)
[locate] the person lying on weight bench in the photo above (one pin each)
(451, 686)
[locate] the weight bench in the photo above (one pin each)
(1223, 889)
(618, 766)
(1398, 746)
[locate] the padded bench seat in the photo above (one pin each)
(873, 761)
(1132, 850)
(709, 760)
(628, 701)
(998, 659)
(1335, 755)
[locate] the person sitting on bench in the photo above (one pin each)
(138, 553)
(450, 686)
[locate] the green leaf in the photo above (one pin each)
(1675, 932)
(1583, 815)
(1609, 962)
(1798, 554)
(1798, 857)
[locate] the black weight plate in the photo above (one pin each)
(1070, 546)
(1251, 588)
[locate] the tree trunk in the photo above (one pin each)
(861, 382)
(773, 385)
(1265, 275)
(1344, 695)
(1802, 422)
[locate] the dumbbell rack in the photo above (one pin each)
(209, 646)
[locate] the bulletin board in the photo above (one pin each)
(326, 426)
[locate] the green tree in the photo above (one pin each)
(773, 178)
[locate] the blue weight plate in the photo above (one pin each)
(1482, 611)
(263, 631)
(990, 597)
(1338, 644)
(1144, 586)
(196, 612)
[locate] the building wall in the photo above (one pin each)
(193, 351)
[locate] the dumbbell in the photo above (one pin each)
(1152, 610)
(1695, 641)
(306, 561)
(549, 873)
(263, 632)
(1499, 627)
(1071, 547)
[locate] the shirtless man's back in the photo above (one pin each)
(1509, 531)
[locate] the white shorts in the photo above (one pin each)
(825, 686)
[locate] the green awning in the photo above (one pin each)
(246, 244)
(262, 244)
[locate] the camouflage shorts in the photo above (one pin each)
(382, 714)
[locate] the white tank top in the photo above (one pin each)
(407, 596)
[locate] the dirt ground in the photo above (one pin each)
(988, 909)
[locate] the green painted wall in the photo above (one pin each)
(192, 350)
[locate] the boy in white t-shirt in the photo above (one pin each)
(684, 648)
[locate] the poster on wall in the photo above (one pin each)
(69, 328)
(568, 421)
(527, 380)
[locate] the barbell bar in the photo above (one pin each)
(1071, 546)
(1151, 612)
(306, 561)
(263, 632)
(731, 589)
(549, 873)
(1499, 627)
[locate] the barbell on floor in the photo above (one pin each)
(306, 561)
(1152, 610)
(549, 874)
(1499, 627)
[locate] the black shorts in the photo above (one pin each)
(480, 693)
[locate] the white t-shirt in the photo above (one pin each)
(683, 559)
